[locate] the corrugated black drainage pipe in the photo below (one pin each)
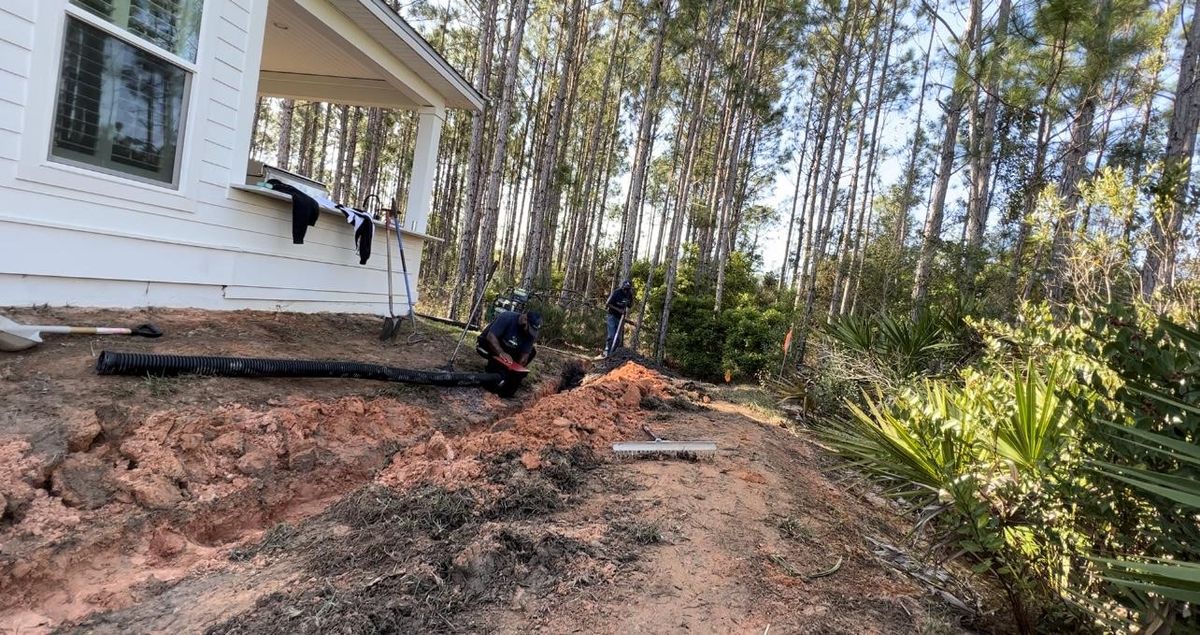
(113, 363)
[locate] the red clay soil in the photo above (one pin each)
(597, 414)
(125, 497)
(217, 474)
(110, 483)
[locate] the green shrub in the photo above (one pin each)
(1064, 462)
(696, 339)
(753, 340)
(984, 455)
(1145, 441)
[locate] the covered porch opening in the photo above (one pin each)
(357, 60)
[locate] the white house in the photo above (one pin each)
(124, 139)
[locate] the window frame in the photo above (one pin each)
(80, 13)
(191, 70)
(176, 169)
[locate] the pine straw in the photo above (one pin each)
(425, 560)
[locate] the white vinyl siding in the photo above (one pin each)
(78, 236)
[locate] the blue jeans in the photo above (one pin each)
(613, 323)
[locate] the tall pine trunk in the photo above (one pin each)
(684, 183)
(538, 220)
(937, 206)
(641, 157)
(1159, 267)
(491, 210)
(727, 229)
(982, 155)
(593, 178)
(469, 230)
(283, 158)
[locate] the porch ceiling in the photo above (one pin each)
(305, 58)
(355, 52)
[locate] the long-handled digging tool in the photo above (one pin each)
(412, 310)
(392, 320)
(18, 337)
(474, 311)
(612, 345)
(663, 446)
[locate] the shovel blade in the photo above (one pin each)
(17, 337)
(390, 324)
(11, 342)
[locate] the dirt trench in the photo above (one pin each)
(217, 505)
(142, 498)
(161, 494)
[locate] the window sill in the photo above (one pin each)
(287, 198)
(99, 184)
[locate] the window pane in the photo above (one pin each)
(171, 24)
(119, 107)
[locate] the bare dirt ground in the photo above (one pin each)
(204, 504)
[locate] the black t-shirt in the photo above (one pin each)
(508, 330)
(620, 297)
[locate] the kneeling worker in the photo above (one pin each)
(509, 339)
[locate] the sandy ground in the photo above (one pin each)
(224, 505)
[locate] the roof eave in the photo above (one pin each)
(470, 98)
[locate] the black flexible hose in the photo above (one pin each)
(113, 363)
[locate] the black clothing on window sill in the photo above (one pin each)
(305, 210)
(364, 231)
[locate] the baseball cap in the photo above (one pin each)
(535, 320)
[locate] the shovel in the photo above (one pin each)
(412, 309)
(471, 317)
(391, 321)
(608, 350)
(18, 337)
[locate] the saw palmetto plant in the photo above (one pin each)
(903, 345)
(1069, 473)
(1150, 452)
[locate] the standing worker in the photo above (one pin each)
(509, 339)
(618, 306)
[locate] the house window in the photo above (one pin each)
(122, 93)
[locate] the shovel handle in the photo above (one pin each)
(84, 330)
(141, 330)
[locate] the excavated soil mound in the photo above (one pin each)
(620, 356)
(149, 496)
(598, 413)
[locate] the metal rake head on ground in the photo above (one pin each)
(660, 446)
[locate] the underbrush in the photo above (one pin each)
(1060, 458)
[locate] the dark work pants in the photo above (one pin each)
(613, 322)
